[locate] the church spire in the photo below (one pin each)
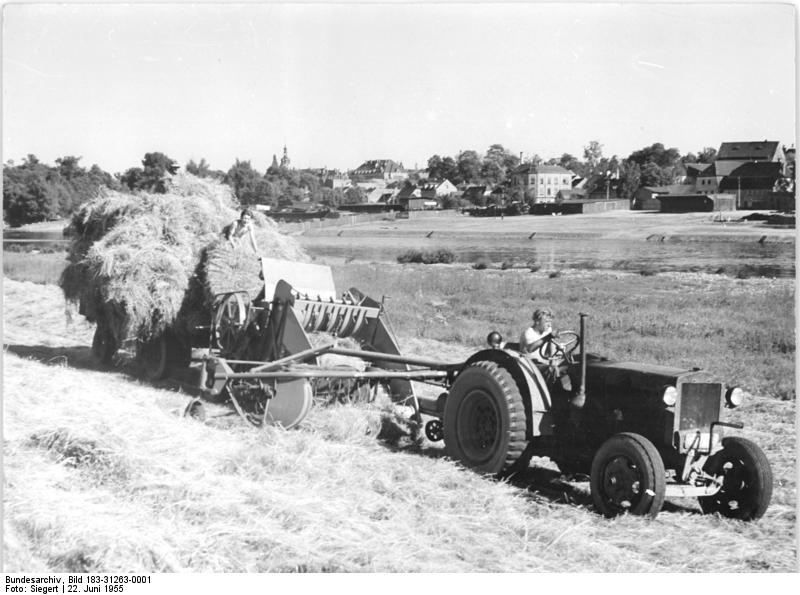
(285, 161)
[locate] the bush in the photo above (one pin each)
(441, 256)
(481, 264)
(554, 274)
(507, 264)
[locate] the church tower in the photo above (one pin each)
(285, 161)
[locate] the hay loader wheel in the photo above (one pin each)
(746, 481)
(484, 419)
(229, 321)
(628, 476)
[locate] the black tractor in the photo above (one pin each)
(641, 432)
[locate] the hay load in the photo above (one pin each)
(140, 264)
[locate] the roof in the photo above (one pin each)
(541, 169)
(698, 167)
(748, 151)
(671, 189)
(377, 166)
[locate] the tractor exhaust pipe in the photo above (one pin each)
(579, 400)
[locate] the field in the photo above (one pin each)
(101, 473)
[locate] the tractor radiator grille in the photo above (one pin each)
(699, 405)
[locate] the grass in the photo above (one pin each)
(742, 329)
(352, 490)
(38, 268)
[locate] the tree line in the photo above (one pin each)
(655, 165)
(34, 191)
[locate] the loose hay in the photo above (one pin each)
(143, 262)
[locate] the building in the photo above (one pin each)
(745, 152)
(379, 169)
(437, 189)
(646, 197)
(696, 203)
(752, 183)
(541, 182)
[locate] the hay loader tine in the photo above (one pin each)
(358, 320)
(346, 328)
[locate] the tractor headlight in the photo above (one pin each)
(670, 396)
(734, 397)
(495, 340)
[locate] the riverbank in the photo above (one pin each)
(613, 225)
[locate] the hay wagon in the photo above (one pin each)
(641, 432)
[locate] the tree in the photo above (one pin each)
(248, 185)
(354, 195)
(27, 195)
(68, 167)
(593, 152)
(653, 175)
(707, 155)
(497, 163)
(201, 170)
(469, 167)
(631, 176)
(151, 176)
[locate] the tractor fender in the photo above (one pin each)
(532, 387)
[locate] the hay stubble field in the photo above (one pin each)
(102, 474)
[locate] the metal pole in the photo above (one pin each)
(579, 400)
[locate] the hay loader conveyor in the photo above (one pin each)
(261, 356)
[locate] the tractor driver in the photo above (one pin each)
(238, 229)
(535, 344)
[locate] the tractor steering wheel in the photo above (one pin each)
(561, 346)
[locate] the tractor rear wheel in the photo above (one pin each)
(628, 476)
(484, 419)
(746, 481)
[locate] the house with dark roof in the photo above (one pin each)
(379, 169)
(541, 182)
(750, 151)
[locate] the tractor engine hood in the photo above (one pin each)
(639, 377)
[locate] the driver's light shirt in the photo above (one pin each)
(528, 337)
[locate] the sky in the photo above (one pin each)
(339, 83)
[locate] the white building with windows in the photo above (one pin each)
(542, 182)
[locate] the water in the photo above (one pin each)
(737, 258)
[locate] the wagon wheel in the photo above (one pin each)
(104, 345)
(152, 355)
(229, 321)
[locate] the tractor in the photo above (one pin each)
(641, 432)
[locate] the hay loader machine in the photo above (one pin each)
(641, 432)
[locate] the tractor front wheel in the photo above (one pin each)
(746, 481)
(484, 419)
(628, 476)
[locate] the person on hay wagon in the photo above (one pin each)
(243, 226)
